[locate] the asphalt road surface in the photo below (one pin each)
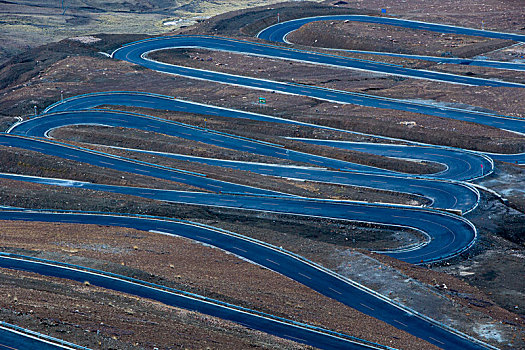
(137, 53)
(447, 234)
(274, 258)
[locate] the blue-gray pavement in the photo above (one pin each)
(128, 165)
(460, 165)
(245, 47)
(134, 53)
(509, 158)
(281, 327)
(448, 235)
(442, 194)
(445, 60)
(162, 102)
(10, 339)
(277, 32)
(38, 127)
(309, 274)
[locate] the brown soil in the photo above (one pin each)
(386, 38)
(65, 75)
(21, 68)
(181, 264)
(24, 162)
(338, 232)
(301, 188)
(511, 53)
(99, 318)
(434, 130)
(312, 240)
(442, 294)
(250, 21)
(497, 15)
(482, 291)
(269, 132)
(468, 70)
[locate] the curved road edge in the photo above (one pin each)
(278, 326)
(274, 258)
(26, 339)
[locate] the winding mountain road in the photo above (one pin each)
(447, 234)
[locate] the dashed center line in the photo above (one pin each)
(368, 307)
(273, 262)
(440, 342)
(401, 323)
(203, 238)
(242, 250)
(302, 274)
(336, 291)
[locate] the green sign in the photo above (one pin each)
(262, 100)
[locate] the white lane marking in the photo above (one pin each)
(336, 291)
(401, 323)
(368, 307)
(302, 274)
(436, 340)
(272, 261)
(204, 238)
(242, 250)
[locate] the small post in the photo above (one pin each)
(481, 169)
(482, 25)
(35, 110)
(205, 123)
(278, 19)
(61, 95)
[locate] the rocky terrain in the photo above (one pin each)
(478, 292)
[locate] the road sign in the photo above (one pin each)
(383, 10)
(262, 100)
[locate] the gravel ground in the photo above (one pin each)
(481, 286)
(364, 36)
(179, 263)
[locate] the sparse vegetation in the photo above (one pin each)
(478, 283)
